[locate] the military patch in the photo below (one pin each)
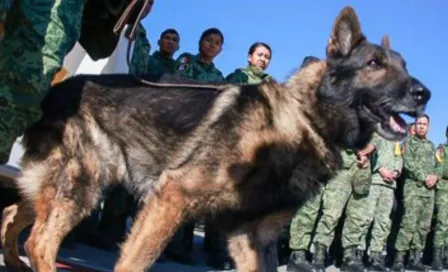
(183, 67)
(439, 154)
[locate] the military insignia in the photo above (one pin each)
(183, 67)
(439, 154)
(398, 150)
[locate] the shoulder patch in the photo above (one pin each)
(183, 67)
(439, 154)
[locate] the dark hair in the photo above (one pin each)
(308, 60)
(210, 31)
(254, 46)
(169, 31)
(446, 132)
(424, 115)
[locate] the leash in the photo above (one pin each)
(131, 35)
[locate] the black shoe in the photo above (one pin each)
(437, 256)
(415, 262)
(298, 262)
(352, 261)
(377, 262)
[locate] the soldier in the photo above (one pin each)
(162, 61)
(387, 164)
(440, 259)
(259, 57)
(140, 52)
(200, 66)
(421, 176)
(304, 222)
(349, 184)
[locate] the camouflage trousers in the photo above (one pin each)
(38, 35)
(338, 194)
(441, 227)
(377, 207)
(304, 222)
(416, 222)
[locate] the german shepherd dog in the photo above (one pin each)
(246, 155)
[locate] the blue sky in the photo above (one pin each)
(294, 29)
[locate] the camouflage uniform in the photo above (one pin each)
(346, 188)
(159, 64)
(191, 66)
(419, 162)
(249, 75)
(441, 227)
(140, 54)
(301, 231)
(378, 205)
(38, 35)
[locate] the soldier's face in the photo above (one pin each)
(169, 43)
(260, 57)
(421, 126)
(211, 45)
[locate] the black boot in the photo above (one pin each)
(445, 257)
(377, 262)
(319, 257)
(352, 260)
(398, 264)
(298, 262)
(437, 256)
(415, 262)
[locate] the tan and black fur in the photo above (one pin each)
(248, 155)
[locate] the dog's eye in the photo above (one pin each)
(373, 63)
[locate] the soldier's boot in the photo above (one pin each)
(437, 256)
(320, 251)
(445, 257)
(415, 262)
(377, 262)
(298, 262)
(352, 260)
(398, 264)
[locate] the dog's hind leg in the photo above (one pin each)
(154, 226)
(66, 195)
(15, 218)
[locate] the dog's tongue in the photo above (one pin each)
(397, 123)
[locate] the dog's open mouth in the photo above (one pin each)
(389, 124)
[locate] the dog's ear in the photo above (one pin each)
(385, 42)
(345, 35)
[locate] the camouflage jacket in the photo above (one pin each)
(387, 155)
(442, 166)
(191, 66)
(360, 177)
(140, 54)
(419, 161)
(159, 64)
(249, 75)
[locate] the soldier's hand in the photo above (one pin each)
(386, 175)
(366, 150)
(430, 180)
(363, 161)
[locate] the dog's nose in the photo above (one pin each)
(419, 92)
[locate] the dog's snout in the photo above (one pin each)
(419, 92)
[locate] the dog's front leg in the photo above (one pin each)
(154, 226)
(253, 246)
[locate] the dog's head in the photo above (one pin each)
(369, 82)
